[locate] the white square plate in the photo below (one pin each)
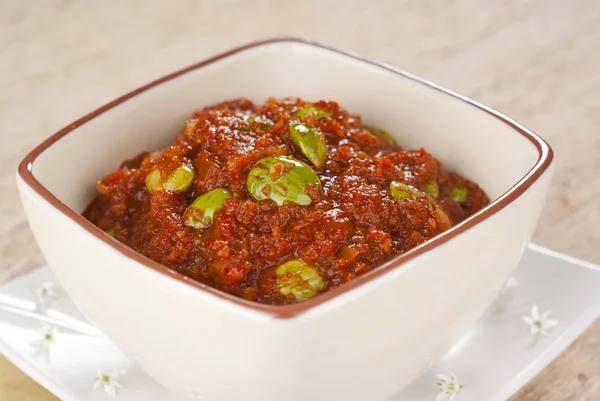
(496, 358)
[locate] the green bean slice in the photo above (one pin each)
(459, 194)
(281, 179)
(298, 280)
(200, 214)
(400, 190)
(311, 142)
(265, 122)
(178, 181)
(432, 189)
(312, 110)
(382, 134)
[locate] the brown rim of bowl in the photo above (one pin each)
(289, 311)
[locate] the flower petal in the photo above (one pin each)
(441, 397)
(110, 389)
(534, 329)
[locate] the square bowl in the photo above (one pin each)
(364, 340)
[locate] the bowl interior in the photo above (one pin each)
(464, 138)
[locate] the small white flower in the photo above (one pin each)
(43, 294)
(510, 284)
(107, 380)
(539, 323)
(448, 387)
(47, 337)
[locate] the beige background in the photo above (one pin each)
(537, 61)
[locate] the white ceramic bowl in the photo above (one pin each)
(362, 341)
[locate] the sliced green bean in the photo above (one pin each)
(459, 194)
(281, 179)
(264, 122)
(178, 181)
(200, 214)
(311, 142)
(312, 110)
(298, 280)
(400, 190)
(432, 189)
(382, 134)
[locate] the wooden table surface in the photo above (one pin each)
(537, 61)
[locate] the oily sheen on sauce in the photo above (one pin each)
(279, 202)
